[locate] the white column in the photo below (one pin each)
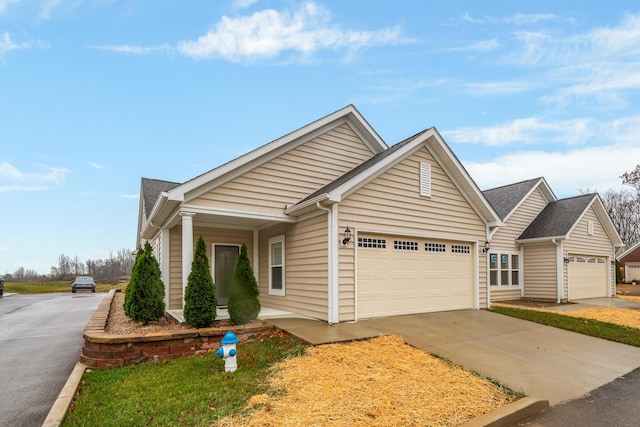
(187, 248)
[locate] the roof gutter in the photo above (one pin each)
(162, 201)
(313, 201)
(551, 239)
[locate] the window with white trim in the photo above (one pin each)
(460, 249)
(276, 265)
(405, 245)
(425, 179)
(504, 269)
(368, 242)
(600, 261)
(435, 247)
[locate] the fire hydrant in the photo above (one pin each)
(227, 351)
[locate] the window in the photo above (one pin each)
(580, 259)
(276, 265)
(404, 245)
(591, 260)
(460, 249)
(504, 269)
(425, 179)
(367, 242)
(600, 261)
(435, 247)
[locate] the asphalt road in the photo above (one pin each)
(40, 343)
(613, 404)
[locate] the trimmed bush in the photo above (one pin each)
(200, 295)
(133, 281)
(145, 302)
(244, 295)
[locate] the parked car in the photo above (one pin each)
(83, 283)
(1, 287)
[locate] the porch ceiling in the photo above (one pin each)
(235, 220)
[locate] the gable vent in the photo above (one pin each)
(590, 228)
(425, 179)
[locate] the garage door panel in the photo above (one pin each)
(393, 282)
(587, 277)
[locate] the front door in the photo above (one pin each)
(224, 259)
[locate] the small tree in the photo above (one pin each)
(146, 301)
(200, 295)
(244, 295)
(133, 282)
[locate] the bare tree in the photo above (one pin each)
(623, 207)
(633, 179)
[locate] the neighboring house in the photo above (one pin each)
(630, 262)
(550, 249)
(418, 226)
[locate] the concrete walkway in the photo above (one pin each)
(538, 360)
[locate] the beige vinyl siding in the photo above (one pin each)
(175, 268)
(306, 266)
(505, 237)
(505, 295)
(291, 176)
(580, 242)
(391, 204)
(210, 235)
(540, 267)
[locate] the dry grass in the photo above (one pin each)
(629, 297)
(618, 316)
(382, 382)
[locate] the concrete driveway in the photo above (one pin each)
(541, 361)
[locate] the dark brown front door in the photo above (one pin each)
(225, 263)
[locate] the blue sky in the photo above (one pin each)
(95, 94)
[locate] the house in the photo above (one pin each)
(550, 249)
(341, 227)
(630, 261)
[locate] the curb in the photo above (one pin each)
(510, 414)
(60, 406)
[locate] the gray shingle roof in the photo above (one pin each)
(151, 189)
(361, 167)
(558, 217)
(504, 199)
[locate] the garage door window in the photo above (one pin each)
(460, 249)
(276, 265)
(504, 269)
(405, 245)
(367, 242)
(435, 247)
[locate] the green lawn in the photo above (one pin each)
(52, 286)
(594, 328)
(193, 391)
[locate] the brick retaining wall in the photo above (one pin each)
(103, 350)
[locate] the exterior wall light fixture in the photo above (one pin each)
(347, 236)
(486, 247)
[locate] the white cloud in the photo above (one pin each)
(6, 44)
(529, 19)
(477, 46)
(137, 50)
(525, 131)
(97, 165)
(130, 196)
(268, 33)
(243, 4)
(13, 179)
(596, 168)
(5, 3)
(497, 88)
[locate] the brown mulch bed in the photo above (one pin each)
(524, 303)
(624, 289)
(379, 382)
(120, 324)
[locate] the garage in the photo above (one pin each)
(588, 276)
(406, 275)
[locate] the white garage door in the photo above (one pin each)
(398, 275)
(587, 277)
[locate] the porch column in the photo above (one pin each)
(187, 248)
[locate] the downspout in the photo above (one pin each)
(331, 255)
(487, 274)
(559, 271)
